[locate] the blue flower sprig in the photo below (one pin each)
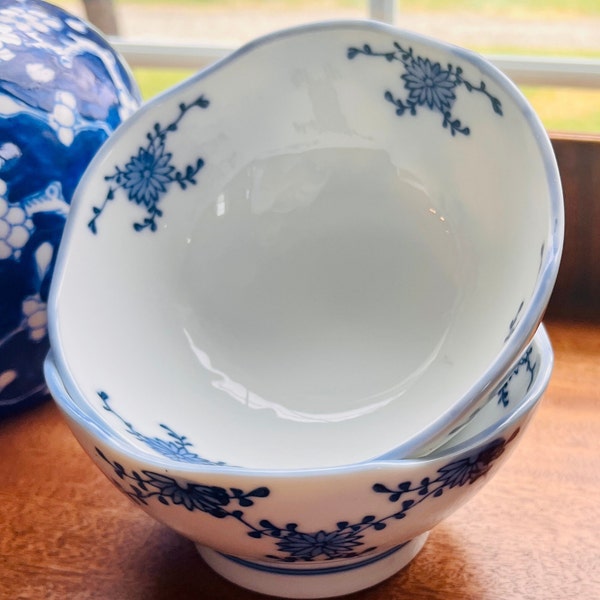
(213, 500)
(176, 447)
(148, 175)
(293, 544)
(461, 472)
(428, 84)
(530, 368)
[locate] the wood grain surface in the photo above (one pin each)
(532, 533)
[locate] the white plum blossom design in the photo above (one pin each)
(64, 117)
(63, 91)
(33, 22)
(16, 227)
(7, 38)
(35, 317)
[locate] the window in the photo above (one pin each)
(554, 40)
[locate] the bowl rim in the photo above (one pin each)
(529, 318)
(94, 427)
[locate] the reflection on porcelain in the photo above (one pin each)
(269, 250)
(513, 388)
(252, 400)
(307, 533)
(63, 92)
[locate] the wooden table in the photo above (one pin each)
(532, 533)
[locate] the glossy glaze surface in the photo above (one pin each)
(332, 273)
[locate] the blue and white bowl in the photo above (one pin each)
(306, 533)
(63, 91)
(328, 247)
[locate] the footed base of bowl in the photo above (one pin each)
(319, 580)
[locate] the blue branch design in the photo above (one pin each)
(148, 175)
(176, 446)
(428, 84)
(530, 368)
(213, 500)
(345, 540)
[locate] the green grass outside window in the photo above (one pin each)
(560, 109)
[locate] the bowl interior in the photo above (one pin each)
(331, 244)
(527, 379)
(514, 400)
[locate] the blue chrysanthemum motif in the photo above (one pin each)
(321, 545)
(208, 499)
(175, 446)
(344, 540)
(469, 470)
(429, 84)
(147, 176)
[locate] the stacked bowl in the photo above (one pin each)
(296, 310)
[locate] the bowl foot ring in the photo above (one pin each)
(318, 580)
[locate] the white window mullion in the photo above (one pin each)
(382, 10)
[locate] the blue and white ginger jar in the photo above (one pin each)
(63, 91)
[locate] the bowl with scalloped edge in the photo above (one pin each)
(315, 532)
(329, 246)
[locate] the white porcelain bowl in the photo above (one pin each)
(328, 247)
(307, 533)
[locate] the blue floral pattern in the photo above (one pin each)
(176, 447)
(328, 545)
(291, 543)
(63, 91)
(147, 176)
(530, 368)
(429, 84)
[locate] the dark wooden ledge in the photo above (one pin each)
(577, 292)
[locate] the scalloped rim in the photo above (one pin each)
(531, 317)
